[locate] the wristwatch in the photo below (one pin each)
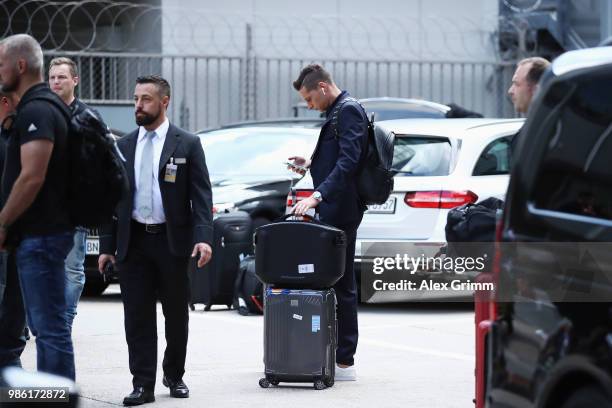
(317, 196)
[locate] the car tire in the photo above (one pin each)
(587, 397)
(94, 288)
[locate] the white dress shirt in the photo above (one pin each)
(158, 216)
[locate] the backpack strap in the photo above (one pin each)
(334, 123)
(370, 130)
(336, 114)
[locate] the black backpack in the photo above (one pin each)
(374, 177)
(97, 177)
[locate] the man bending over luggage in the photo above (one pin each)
(333, 167)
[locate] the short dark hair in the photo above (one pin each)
(163, 87)
(310, 76)
(537, 68)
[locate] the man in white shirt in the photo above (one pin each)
(167, 218)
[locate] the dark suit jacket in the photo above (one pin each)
(187, 202)
(336, 161)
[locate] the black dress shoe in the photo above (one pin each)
(139, 396)
(178, 389)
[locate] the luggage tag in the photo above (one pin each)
(170, 176)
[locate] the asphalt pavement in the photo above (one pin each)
(409, 355)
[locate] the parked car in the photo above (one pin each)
(301, 122)
(386, 108)
(440, 164)
(247, 167)
(247, 172)
(549, 337)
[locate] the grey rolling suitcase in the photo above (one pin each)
(300, 337)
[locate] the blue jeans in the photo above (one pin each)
(40, 262)
(75, 274)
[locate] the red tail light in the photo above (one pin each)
(439, 199)
(298, 195)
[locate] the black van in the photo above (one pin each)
(550, 339)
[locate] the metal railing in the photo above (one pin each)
(229, 67)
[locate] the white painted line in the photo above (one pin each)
(468, 319)
(417, 350)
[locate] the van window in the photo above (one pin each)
(575, 175)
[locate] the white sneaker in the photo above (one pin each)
(346, 374)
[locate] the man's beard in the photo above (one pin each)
(145, 119)
(8, 87)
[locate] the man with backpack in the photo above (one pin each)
(35, 221)
(63, 79)
(333, 166)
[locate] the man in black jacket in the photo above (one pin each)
(63, 79)
(166, 217)
(333, 167)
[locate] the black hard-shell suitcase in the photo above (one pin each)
(214, 285)
(299, 254)
(300, 337)
(248, 292)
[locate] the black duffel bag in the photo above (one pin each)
(298, 254)
(470, 229)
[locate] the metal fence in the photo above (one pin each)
(209, 91)
(227, 67)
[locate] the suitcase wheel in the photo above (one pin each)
(274, 382)
(264, 383)
(319, 385)
(192, 307)
(229, 307)
(329, 381)
(243, 311)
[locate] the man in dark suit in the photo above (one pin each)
(167, 217)
(333, 167)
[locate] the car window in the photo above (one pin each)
(575, 175)
(421, 156)
(495, 158)
(254, 152)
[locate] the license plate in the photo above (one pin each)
(92, 246)
(387, 208)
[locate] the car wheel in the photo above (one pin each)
(94, 288)
(586, 397)
(259, 221)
